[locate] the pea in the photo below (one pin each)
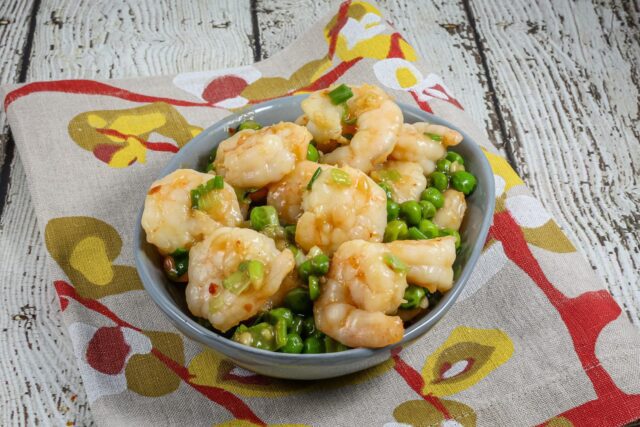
(393, 210)
(450, 232)
(263, 216)
(312, 153)
(294, 344)
(395, 230)
(443, 165)
(249, 124)
(308, 326)
(290, 232)
(413, 295)
(304, 269)
(415, 234)
(411, 211)
(320, 265)
(439, 180)
(452, 156)
(313, 345)
(296, 325)
(386, 188)
(333, 346)
(298, 301)
(428, 228)
(281, 313)
(464, 182)
(434, 196)
(434, 298)
(314, 287)
(428, 210)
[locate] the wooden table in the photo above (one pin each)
(555, 84)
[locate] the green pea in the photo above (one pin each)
(450, 232)
(312, 153)
(333, 346)
(296, 325)
(415, 234)
(281, 313)
(249, 124)
(320, 265)
(464, 182)
(411, 211)
(429, 229)
(304, 269)
(294, 344)
(290, 232)
(393, 210)
(439, 180)
(395, 230)
(309, 326)
(313, 345)
(434, 196)
(452, 156)
(298, 301)
(443, 165)
(413, 295)
(434, 298)
(387, 189)
(263, 216)
(428, 210)
(314, 287)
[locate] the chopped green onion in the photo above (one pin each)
(215, 303)
(261, 217)
(394, 263)
(179, 252)
(198, 200)
(314, 287)
(255, 270)
(236, 282)
(249, 124)
(346, 118)
(315, 176)
(312, 153)
(281, 333)
(218, 182)
(434, 136)
(415, 234)
(340, 94)
(340, 177)
(210, 168)
(388, 175)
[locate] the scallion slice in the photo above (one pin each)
(315, 176)
(340, 94)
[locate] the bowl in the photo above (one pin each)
(171, 299)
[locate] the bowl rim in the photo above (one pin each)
(185, 324)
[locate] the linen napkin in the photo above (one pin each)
(534, 338)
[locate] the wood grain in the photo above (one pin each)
(144, 38)
(567, 74)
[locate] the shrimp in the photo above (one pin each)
(430, 261)
(360, 296)
(405, 179)
(286, 194)
(414, 146)
(169, 220)
(343, 204)
(450, 215)
(253, 159)
(218, 257)
(378, 121)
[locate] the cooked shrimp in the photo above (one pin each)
(430, 261)
(405, 179)
(343, 204)
(286, 194)
(414, 146)
(218, 257)
(253, 159)
(378, 121)
(450, 215)
(168, 218)
(360, 296)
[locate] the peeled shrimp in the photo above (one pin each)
(253, 159)
(337, 212)
(450, 215)
(414, 146)
(168, 218)
(378, 121)
(286, 194)
(219, 256)
(405, 179)
(360, 296)
(430, 261)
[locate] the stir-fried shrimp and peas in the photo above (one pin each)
(316, 236)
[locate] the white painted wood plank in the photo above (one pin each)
(438, 30)
(568, 74)
(144, 38)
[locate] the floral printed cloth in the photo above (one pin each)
(533, 339)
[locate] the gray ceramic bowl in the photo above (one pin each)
(171, 300)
